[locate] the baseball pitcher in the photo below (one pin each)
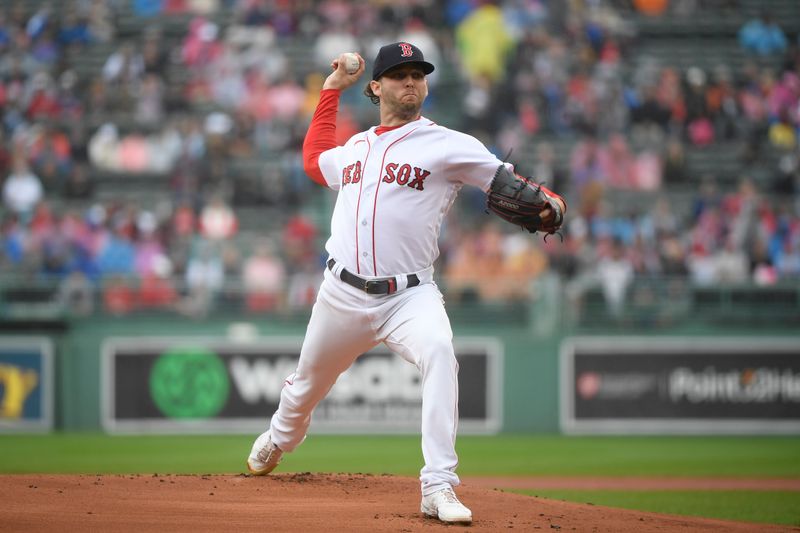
(395, 183)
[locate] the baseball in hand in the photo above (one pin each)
(351, 63)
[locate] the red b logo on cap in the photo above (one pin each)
(406, 50)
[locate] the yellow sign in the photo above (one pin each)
(17, 384)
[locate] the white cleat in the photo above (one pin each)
(264, 456)
(444, 505)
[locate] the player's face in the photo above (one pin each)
(403, 90)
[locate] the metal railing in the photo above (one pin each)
(550, 302)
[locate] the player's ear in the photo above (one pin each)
(376, 87)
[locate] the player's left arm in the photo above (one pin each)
(519, 200)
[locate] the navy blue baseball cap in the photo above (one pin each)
(395, 54)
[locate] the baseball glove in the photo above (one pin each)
(521, 201)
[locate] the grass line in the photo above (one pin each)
(503, 455)
(773, 507)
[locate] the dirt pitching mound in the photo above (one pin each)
(298, 502)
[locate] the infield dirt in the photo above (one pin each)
(300, 502)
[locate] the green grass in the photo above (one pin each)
(773, 507)
(504, 455)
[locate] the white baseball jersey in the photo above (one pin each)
(394, 191)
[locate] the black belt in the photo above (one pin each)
(372, 286)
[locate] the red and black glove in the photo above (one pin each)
(524, 203)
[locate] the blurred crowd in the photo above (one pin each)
(214, 115)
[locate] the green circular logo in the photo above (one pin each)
(189, 383)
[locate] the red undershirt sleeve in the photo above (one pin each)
(321, 134)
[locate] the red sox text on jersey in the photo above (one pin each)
(395, 173)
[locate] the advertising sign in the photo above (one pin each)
(26, 384)
(210, 385)
(689, 385)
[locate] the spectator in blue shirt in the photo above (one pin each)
(74, 30)
(762, 36)
(147, 8)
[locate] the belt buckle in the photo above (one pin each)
(368, 284)
(376, 284)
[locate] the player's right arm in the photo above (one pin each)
(321, 134)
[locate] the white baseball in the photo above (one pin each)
(351, 63)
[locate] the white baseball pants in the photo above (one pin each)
(346, 322)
